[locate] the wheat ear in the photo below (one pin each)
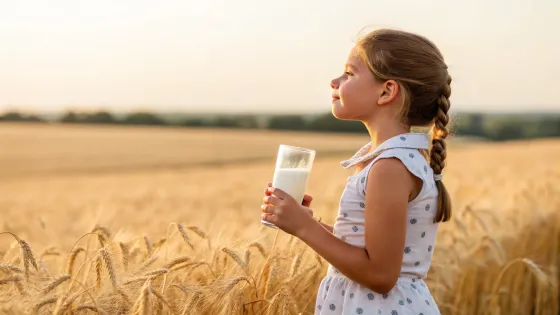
(43, 303)
(72, 259)
(125, 251)
(184, 235)
(109, 265)
(55, 283)
(7, 268)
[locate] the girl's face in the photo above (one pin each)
(356, 92)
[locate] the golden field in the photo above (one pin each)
(130, 220)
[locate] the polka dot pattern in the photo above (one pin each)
(339, 295)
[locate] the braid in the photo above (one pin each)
(439, 130)
(438, 152)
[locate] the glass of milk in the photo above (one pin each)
(293, 165)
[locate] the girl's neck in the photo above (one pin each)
(380, 132)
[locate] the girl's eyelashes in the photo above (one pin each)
(348, 73)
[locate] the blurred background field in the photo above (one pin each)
(137, 138)
(498, 255)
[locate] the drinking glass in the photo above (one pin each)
(293, 166)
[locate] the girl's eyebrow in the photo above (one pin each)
(351, 66)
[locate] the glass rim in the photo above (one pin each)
(287, 146)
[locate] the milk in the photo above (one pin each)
(292, 180)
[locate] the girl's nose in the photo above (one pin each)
(334, 83)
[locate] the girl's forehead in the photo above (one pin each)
(355, 58)
(353, 51)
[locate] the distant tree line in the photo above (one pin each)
(507, 127)
(490, 126)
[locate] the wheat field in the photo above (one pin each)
(130, 220)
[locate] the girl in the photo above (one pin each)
(380, 248)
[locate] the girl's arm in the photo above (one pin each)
(378, 265)
(327, 227)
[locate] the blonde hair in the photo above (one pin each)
(417, 65)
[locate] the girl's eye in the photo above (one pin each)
(348, 73)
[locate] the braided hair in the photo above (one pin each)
(418, 66)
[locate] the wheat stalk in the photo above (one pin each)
(177, 261)
(287, 307)
(135, 279)
(160, 297)
(248, 257)
(296, 277)
(236, 258)
(198, 231)
(28, 257)
(144, 299)
(85, 307)
(65, 303)
(7, 268)
(124, 296)
(47, 301)
(58, 281)
(269, 255)
(259, 247)
(186, 289)
(133, 254)
(59, 306)
(103, 234)
(105, 231)
(125, 251)
(148, 245)
(156, 273)
(184, 235)
(49, 252)
(195, 264)
(98, 271)
(295, 265)
(233, 282)
(535, 270)
(16, 280)
(268, 282)
(147, 263)
(109, 266)
(192, 303)
(72, 259)
(160, 242)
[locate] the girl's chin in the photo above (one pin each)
(342, 113)
(338, 111)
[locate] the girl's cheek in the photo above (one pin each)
(344, 90)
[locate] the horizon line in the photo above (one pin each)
(191, 112)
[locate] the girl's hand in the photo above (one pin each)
(306, 200)
(285, 212)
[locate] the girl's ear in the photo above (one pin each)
(389, 92)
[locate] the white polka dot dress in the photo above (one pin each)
(340, 295)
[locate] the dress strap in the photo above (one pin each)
(408, 140)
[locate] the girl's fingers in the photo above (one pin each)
(307, 200)
(267, 208)
(266, 192)
(268, 218)
(278, 193)
(271, 200)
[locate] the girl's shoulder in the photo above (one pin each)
(412, 159)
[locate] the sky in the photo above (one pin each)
(262, 56)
